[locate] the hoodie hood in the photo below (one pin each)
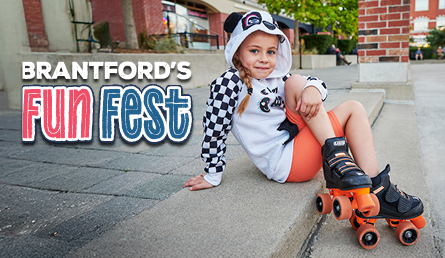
(242, 26)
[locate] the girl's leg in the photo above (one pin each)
(320, 125)
(354, 120)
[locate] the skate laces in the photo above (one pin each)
(402, 193)
(343, 162)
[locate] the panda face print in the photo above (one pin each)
(254, 18)
(269, 25)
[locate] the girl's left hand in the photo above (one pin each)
(309, 103)
(197, 183)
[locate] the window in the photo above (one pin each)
(440, 21)
(422, 5)
(441, 4)
(421, 24)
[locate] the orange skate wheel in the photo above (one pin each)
(393, 223)
(323, 203)
(353, 220)
(341, 205)
(407, 233)
(419, 222)
(364, 202)
(374, 211)
(368, 236)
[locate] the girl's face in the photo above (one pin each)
(258, 54)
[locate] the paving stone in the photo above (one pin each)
(101, 218)
(193, 168)
(34, 173)
(121, 184)
(159, 188)
(10, 135)
(28, 246)
(11, 120)
(174, 150)
(77, 179)
(68, 156)
(8, 166)
(8, 148)
(25, 211)
(35, 223)
(144, 163)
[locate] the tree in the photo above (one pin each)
(298, 9)
(131, 40)
(436, 37)
(341, 15)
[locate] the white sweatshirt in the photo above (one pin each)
(256, 130)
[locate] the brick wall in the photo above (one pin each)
(432, 13)
(383, 31)
(38, 39)
(147, 16)
(216, 25)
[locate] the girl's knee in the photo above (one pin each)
(294, 84)
(355, 106)
(292, 89)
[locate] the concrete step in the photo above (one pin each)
(247, 216)
(397, 142)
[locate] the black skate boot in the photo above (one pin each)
(340, 170)
(401, 211)
(394, 203)
(348, 185)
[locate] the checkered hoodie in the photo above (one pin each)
(256, 130)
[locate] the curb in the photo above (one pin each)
(249, 216)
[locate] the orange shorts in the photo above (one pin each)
(307, 158)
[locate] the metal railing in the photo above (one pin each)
(186, 39)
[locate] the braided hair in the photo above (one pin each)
(246, 77)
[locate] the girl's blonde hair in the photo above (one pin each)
(246, 77)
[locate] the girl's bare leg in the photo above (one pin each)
(320, 125)
(353, 119)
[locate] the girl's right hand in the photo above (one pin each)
(309, 103)
(197, 183)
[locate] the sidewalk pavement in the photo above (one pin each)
(122, 200)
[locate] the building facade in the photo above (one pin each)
(191, 17)
(425, 15)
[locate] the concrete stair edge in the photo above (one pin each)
(247, 216)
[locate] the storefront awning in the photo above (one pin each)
(289, 23)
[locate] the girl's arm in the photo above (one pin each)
(319, 84)
(217, 123)
(309, 92)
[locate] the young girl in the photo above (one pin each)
(285, 141)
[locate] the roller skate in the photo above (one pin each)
(348, 185)
(402, 212)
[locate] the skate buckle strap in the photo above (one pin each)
(346, 160)
(393, 194)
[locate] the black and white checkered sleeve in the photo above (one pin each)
(319, 84)
(217, 120)
(287, 76)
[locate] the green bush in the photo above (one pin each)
(146, 41)
(320, 42)
(428, 52)
(166, 45)
(346, 45)
(102, 34)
